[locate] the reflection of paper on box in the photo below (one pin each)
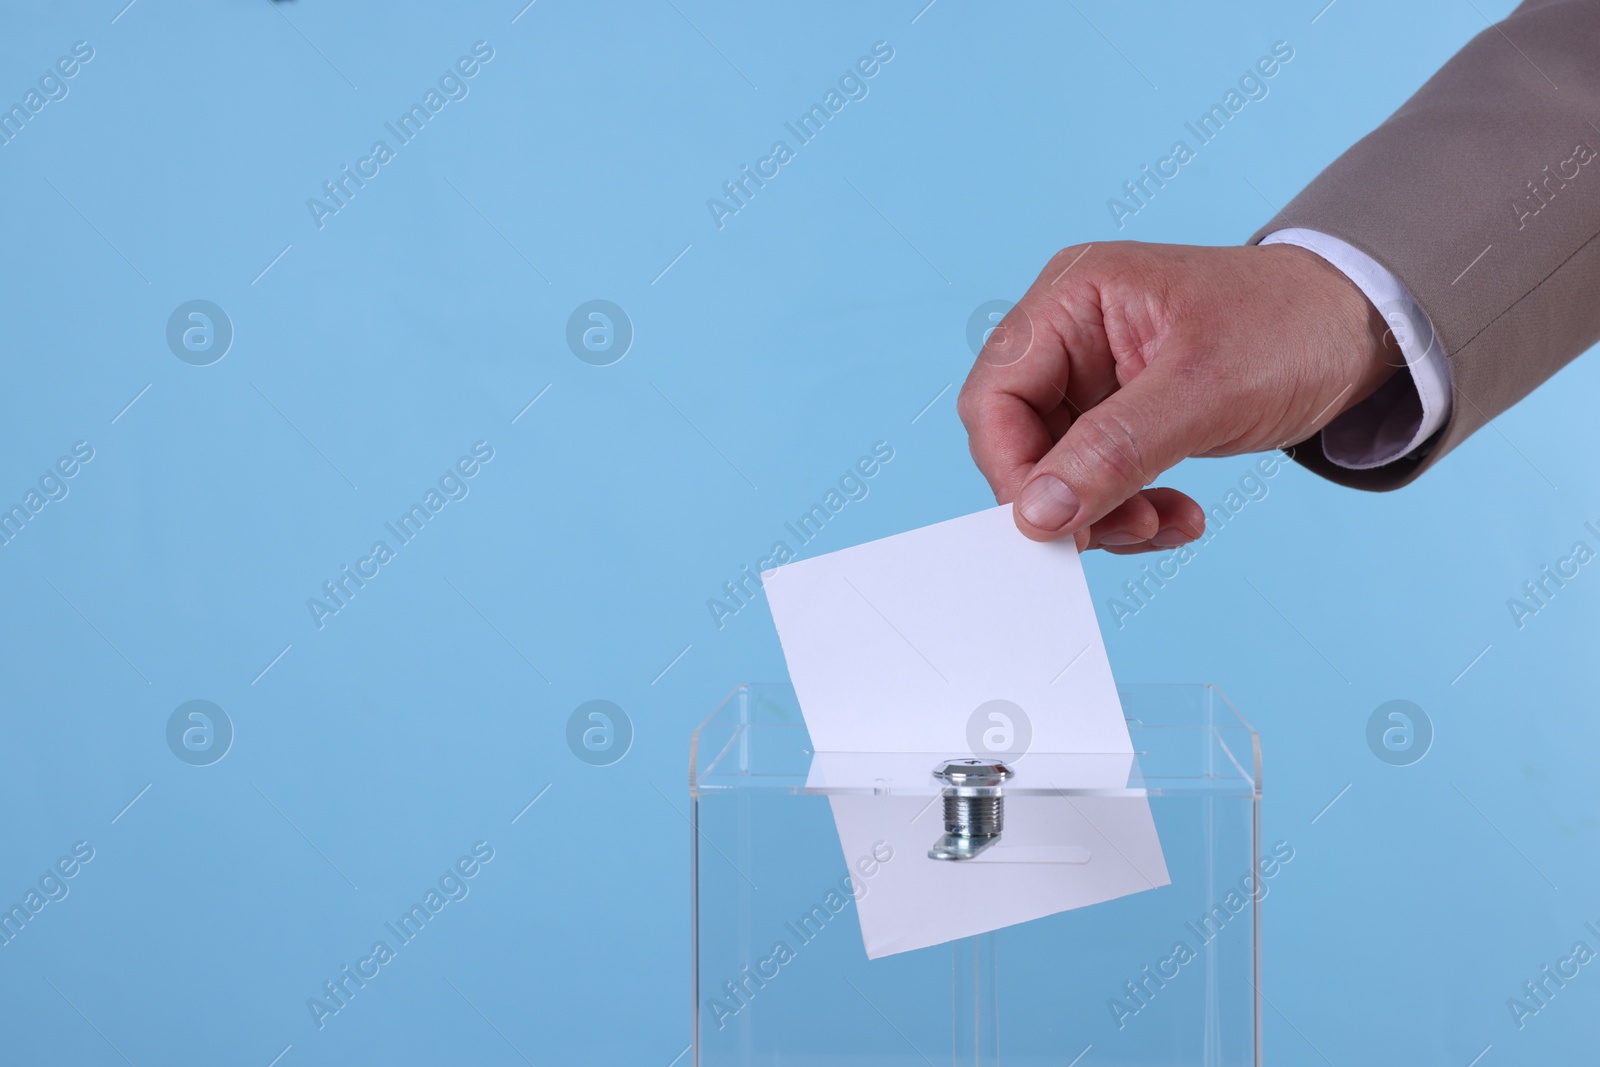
(901, 648)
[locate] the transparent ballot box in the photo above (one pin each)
(815, 899)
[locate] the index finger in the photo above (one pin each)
(1005, 434)
(1015, 403)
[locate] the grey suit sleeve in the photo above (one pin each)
(1481, 194)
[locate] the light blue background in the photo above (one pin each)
(822, 318)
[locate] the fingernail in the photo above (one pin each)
(1121, 539)
(1047, 503)
(1170, 538)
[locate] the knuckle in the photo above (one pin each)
(1063, 257)
(967, 406)
(1113, 446)
(1065, 260)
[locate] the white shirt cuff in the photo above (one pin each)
(1406, 410)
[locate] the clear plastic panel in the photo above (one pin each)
(1167, 976)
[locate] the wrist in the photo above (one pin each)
(1363, 350)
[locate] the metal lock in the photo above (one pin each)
(974, 807)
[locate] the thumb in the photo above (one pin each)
(1109, 453)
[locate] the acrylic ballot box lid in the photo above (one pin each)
(1187, 739)
(1164, 973)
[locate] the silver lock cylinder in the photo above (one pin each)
(974, 806)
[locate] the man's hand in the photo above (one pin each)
(1124, 359)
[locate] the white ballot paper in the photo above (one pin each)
(964, 638)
